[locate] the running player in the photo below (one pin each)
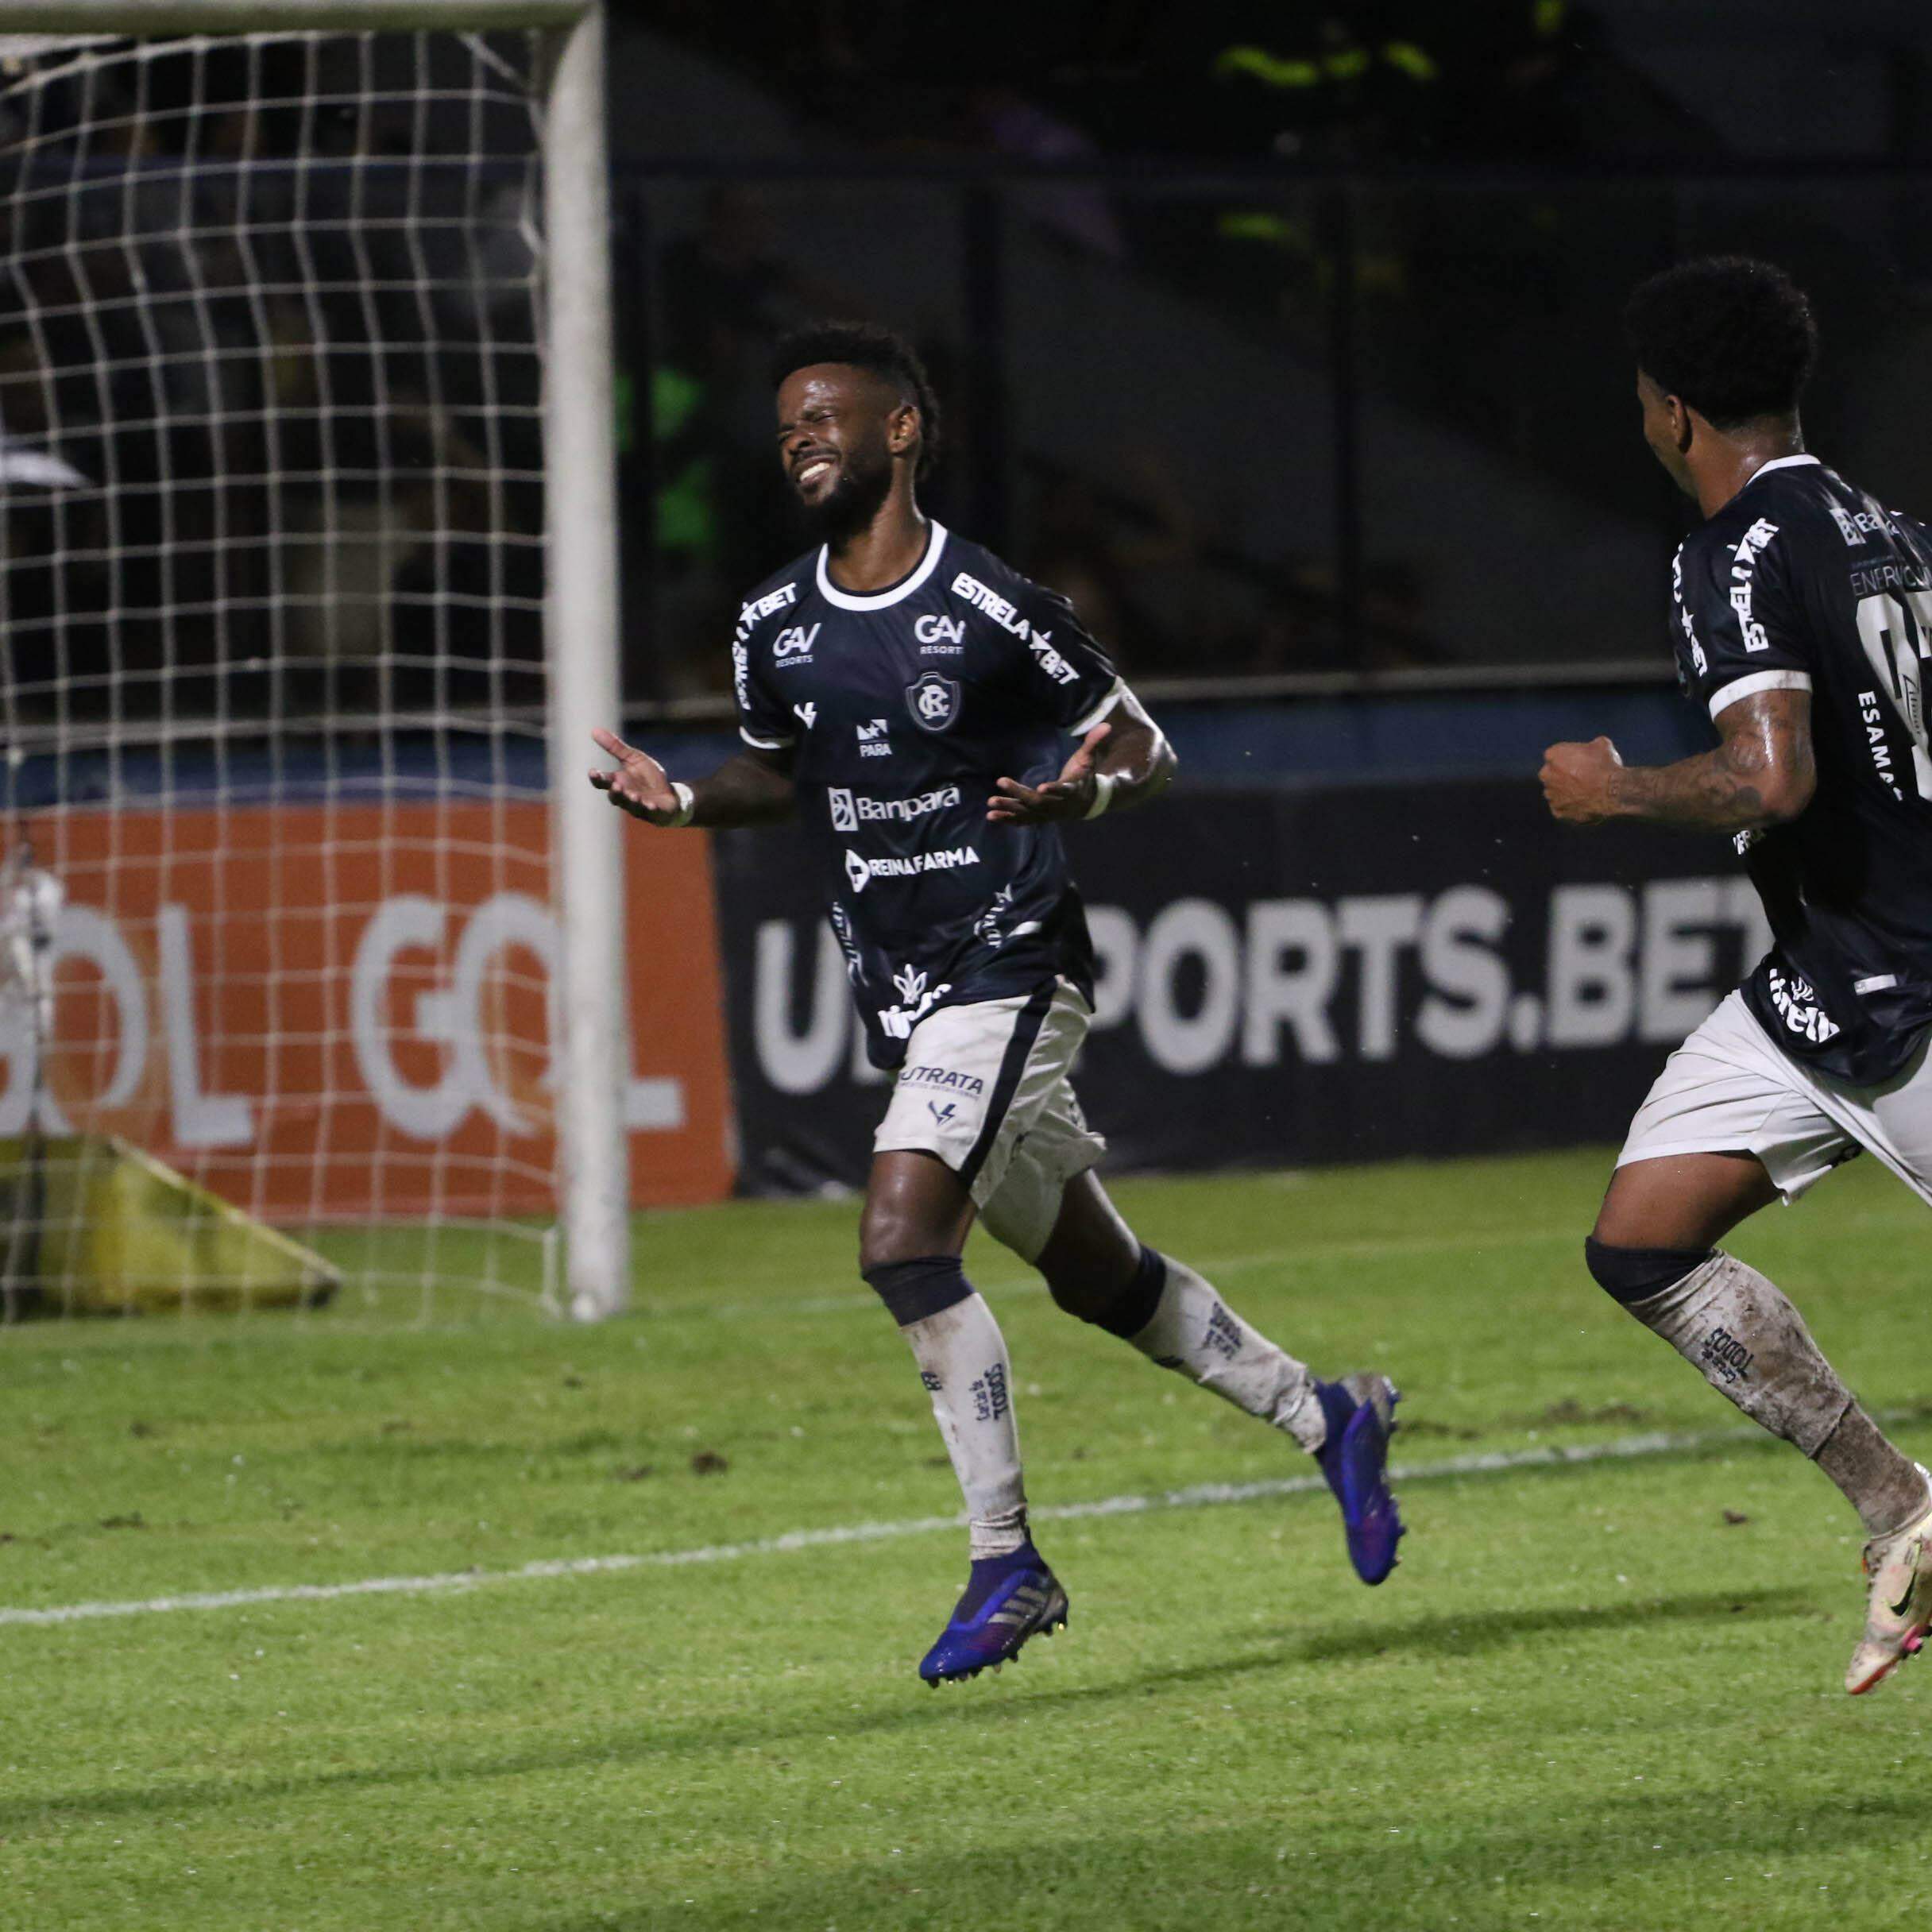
(1803, 616)
(912, 696)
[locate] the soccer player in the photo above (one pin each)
(1803, 616)
(913, 697)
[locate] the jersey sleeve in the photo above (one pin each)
(763, 723)
(1074, 677)
(1740, 629)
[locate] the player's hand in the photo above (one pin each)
(639, 785)
(1071, 795)
(1579, 781)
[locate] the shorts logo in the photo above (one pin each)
(970, 1084)
(933, 700)
(844, 817)
(943, 1114)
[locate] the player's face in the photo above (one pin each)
(834, 435)
(1662, 425)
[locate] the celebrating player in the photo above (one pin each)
(1804, 618)
(913, 697)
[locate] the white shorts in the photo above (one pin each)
(985, 1088)
(1729, 1089)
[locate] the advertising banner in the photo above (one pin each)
(327, 1011)
(1295, 977)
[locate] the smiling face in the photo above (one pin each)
(840, 432)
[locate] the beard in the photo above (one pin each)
(852, 503)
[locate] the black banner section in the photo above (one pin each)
(1294, 977)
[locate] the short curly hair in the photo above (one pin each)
(1733, 337)
(864, 345)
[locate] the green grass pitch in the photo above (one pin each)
(1598, 1694)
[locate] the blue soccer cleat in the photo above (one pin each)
(1361, 1413)
(1009, 1599)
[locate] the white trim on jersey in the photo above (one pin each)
(766, 744)
(844, 600)
(1781, 462)
(1115, 691)
(1758, 680)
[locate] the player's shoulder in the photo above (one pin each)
(783, 590)
(978, 577)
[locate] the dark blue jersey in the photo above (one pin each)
(1803, 582)
(901, 709)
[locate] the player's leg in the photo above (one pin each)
(957, 1110)
(914, 1226)
(1097, 1269)
(1679, 1189)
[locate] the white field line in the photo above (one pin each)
(1200, 1496)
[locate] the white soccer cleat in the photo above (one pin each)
(1899, 1612)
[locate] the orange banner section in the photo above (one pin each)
(338, 1011)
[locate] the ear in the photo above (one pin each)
(902, 430)
(1681, 427)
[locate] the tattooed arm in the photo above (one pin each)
(1762, 774)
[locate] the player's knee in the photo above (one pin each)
(923, 1286)
(1631, 1275)
(1122, 1306)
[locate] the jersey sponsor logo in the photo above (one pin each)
(933, 700)
(1797, 1004)
(1743, 572)
(1858, 527)
(848, 812)
(941, 636)
(1683, 613)
(875, 741)
(948, 1078)
(862, 871)
(1049, 660)
(841, 930)
(1004, 613)
(1872, 714)
(916, 1000)
(792, 645)
(741, 673)
(761, 608)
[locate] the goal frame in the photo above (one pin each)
(581, 609)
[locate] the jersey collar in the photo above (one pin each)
(1780, 462)
(881, 600)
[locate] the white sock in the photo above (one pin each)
(1194, 1332)
(962, 1358)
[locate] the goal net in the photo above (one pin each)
(278, 910)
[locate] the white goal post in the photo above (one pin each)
(590, 1046)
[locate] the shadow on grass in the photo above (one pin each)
(1462, 1634)
(1613, 1862)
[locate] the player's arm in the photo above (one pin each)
(1124, 760)
(754, 788)
(1761, 774)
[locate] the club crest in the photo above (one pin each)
(933, 700)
